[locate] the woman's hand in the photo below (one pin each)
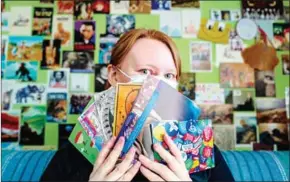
(175, 169)
(106, 169)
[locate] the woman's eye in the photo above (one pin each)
(145, 72)
(170, 76)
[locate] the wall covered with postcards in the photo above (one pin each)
(235, 64)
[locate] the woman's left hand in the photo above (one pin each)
(175, 170)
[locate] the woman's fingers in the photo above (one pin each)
(150, 175)
(173, 149)
(129, 175)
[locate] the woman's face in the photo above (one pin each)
(147, 56)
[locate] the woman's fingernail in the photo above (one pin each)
(121, 140)
(156, 146)
(132, 150)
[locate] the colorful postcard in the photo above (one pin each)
(107, 42)
(190, 22)
(8, 87)
(167, 26)
(79, 82)
(42, 21)
(274, 133)
(64, 131)
(78, 61)
(267, 27)
(58, 79)
(226, 15)
(246, 128)
(101, 6)
(50, 54)
(236, 75)
(243, 100)
(24, 48)
(185, 4)
(186, 85)
(200, 56)
(209, 93)
(20, 20)
(265, 83)
(63, 29)
(21, 71)
(29, 93)
(65, 6)
(101, 77)
(160, 4)
(219, 113)
(281, 36)
(140, 6)
(83, 10)
(119, 7)
(287, 100)
(5, 21)
(32, 125)
(85, 37)
(285, 64)
(56, 107)
(78, 102)
(224, 54)
(10, 121)
(224, 137)
(119, 24)
(4, 47)
(271, 110)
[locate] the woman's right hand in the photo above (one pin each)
(106, 169)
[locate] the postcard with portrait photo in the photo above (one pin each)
(226, 15)
(20, 20)
(185, 4)
(107, 42)
(140, 6)
(101, 77)
(56, 107)
(8, 88)
(218, 113)
(224, 136)
(32, 129)
(186, 85)
(265, 83)
(285, 64)
(281, 36)
(190, 22)
(42, 21)
(65, 6)
(58, 79)
(236, 75)
(235, 14)
(119, 7)
(83, 10)
(215, 14)
(271, 110)
(78, 61)
(29, 94)
(5, 21)
(85, 38)
(79, 82)
(64, 131)
(10, 121)
(287, 100)
(200, 56)
(209, 93)
(63, 29)
(246, 128)
(243, 100)
(50, 54)
(78, 102)
(101, 6)
(24, 48)
(119, 24)
(160, 4)
(21, 71)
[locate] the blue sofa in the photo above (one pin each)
(244, 165)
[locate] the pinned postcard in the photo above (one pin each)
(107, 42)
(79, 82)
(8, 88)
(101, 77)
(160, 4)
(224, 136)
(140, 6)
(58, 79)
(190, 22)
(56, 107)
(83, 10)
(218, 113)
(78, 102)
(20, 21)
(186, 85)
(21, 71)
(185, 4)
(84, 35)
(287, 100)
(64, 131)
(4, 47)
(200, 56)
(224, 54)
(265, 83)
(119, 24)
(65, 6)
(5, 21)
(10, 121)
(50, 54)
(243, 100)
(209, 93)
(285, 64)
(101, 6)
(167, 26)
(63, 29)
(42, 21)
(281, 36)
(78, 61)
(29, 93)
(119, 7)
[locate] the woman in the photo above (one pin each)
(138, 52)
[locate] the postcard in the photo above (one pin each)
(218, 113)
(286, 13)
(63, 29)
(3, 6)
(21, 71)
(83, 10)
(119, 7)
(215, 14)
(200, 56)
(235, 41)
(228, 96)
(236, 75)
(78, 61)
(274, 133)
(287, 100)
(5, 21)
(65, 6)
(107, 42)
(32, 129)
(243, 100)
(85, 38)
(3, 66)
(265, 83)
(8, 87)
(20, 20)
(79, 82)
(267, 27)
(50, 54)
(4, 47)
(119, 24)
(226, 15)
(24, 48)
(285, 64)
(161, 4)
(56, 107)
(42, 21)
(101, 77)
(209, 93)
(271, 110)
(190, 22)
(281, 36)
(185, 4)
(101, 6)
(224, 136)
(78, 102)
(186, 85)
(58, 79)
(224, 54)
(167, 26)
(140, 6)
(64, 131)
(10, 121)
(246, 128)
(235, 14)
